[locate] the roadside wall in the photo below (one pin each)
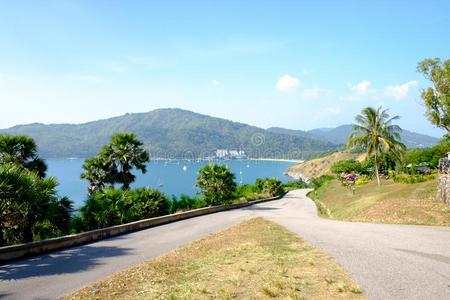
(444, 181)
(8, 253)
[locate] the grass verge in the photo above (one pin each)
(256, 259)
(396, 203)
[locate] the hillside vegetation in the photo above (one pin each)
(170, 133)
(322, 166)
(339, 136)
(390, 203)
(256, 259)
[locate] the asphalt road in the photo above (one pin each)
(387, 261)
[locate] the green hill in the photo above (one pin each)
(170, 133)
(339, 136)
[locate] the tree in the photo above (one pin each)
(21, 150)
(29, 206)
(115, 162)
(128, 153)
(437, 97)
(347, 166)
(217, 184)
(99, 171)
(374, 130)
(271, 186)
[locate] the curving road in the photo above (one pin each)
(387, 261)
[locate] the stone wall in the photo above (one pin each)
(444, 180)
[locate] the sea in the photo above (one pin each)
(172, 177)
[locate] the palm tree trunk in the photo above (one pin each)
(376, 170)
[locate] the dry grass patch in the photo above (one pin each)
(256, 259)
(322, 166)
(391, 203)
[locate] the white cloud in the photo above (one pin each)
(326, 112)
(400, 91)
(359, 91)
(215, 82)
(288, 83)
(312, 92)
(362, 88)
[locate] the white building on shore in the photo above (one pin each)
(231, 154)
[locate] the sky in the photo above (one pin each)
(293, 64)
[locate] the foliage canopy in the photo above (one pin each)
(437, 97)
(217, 184)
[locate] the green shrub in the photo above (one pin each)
(271, 186)
(101, 209)
(362, 180)
(217, 184)
(295, 184)
(185, 203)
(246, 191)
(411, 179)
(111, 206)
(146, 203)
(346, 166)
(320, 181)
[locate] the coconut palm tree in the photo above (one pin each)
(374, 130)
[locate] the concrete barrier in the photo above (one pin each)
(8, 253)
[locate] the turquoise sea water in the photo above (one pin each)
(171, 177)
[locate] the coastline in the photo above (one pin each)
(297, 176)
(298, 161)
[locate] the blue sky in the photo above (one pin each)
(294, 64)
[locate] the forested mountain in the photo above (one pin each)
(170, 133)
(340, 134)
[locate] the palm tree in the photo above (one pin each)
(29, 205)
(115, 162)
(99, 171)
(217, 183)
(374, 130)
(21, 150)
(128, 153)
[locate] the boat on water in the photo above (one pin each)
(159, 183)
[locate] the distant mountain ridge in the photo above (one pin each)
(170, 133)
(340, 134)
